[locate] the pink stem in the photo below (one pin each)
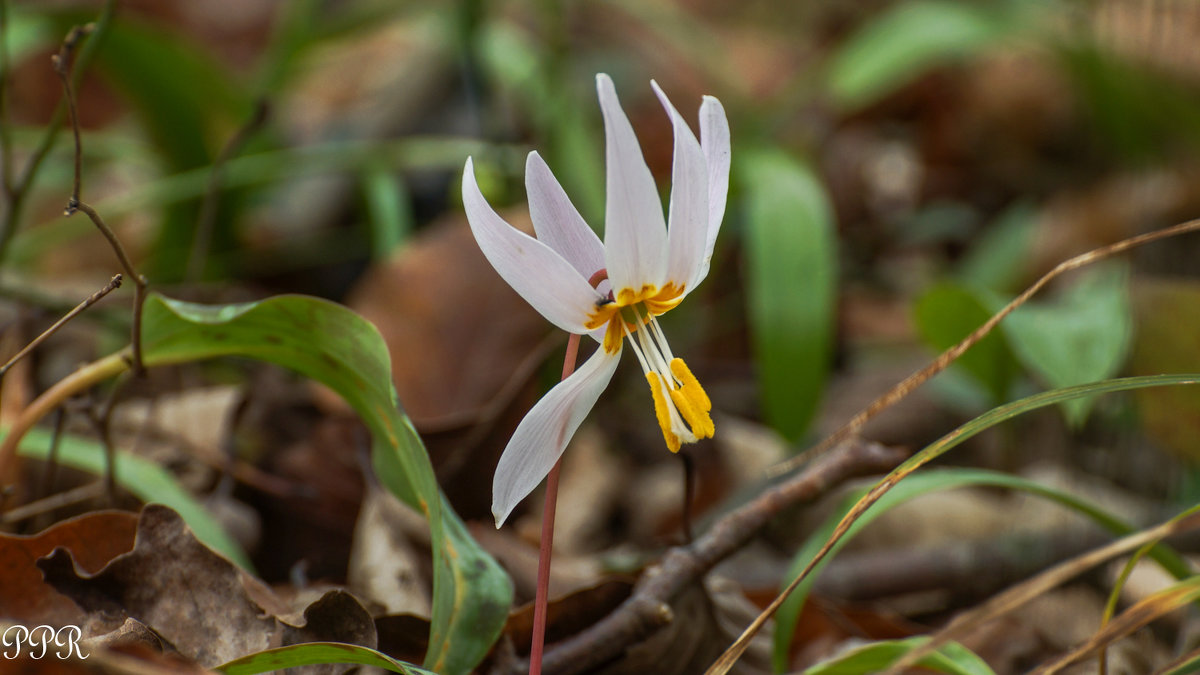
(541, 598)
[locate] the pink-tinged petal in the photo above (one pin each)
(687, 230)
(544, 278)
(557, 222)
(543, 435)
(635, 233)
(714, 139)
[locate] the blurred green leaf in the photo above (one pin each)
(1082, 336)
(26, 32)
(876, 656)
(947, 313)
(143, 478)
(791, 260)
(389, 209)
(343, 351)
(998, 259)
(316, 653)
(564, 115)
(182, 96)
(904, 41)
(1138, 112)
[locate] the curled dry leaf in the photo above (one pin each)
(92, 539)
(208, 610)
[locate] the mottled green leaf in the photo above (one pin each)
(343, 351)
(314, 653)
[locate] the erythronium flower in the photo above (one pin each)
(650, 268)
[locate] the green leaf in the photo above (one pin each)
(947, 313)
(315, 653)
(141, 477)
(1082, 336)
(999, 258)
(389, 209)
(876, 656)
(915, 484)
(905, 41)
(792, 267)
(343, 351)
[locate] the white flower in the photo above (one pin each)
(650, 268)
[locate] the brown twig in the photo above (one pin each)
(943, 361)
(18, 191)
(139, 284)
(62, 66)
(112, 285)
(648, 608)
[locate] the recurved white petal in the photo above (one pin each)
(557, 222)
(688, 218)
(544, 278)
(543, 435)
(714, 139)
(635, 234)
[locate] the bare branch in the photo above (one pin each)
(112, 285)
(648, 609)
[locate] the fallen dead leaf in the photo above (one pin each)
(93, 539)
(206, 608)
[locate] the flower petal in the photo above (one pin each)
(714, 139)
(687, 233)
(543, 435)
(557, 222)
(544, 278)
(635, 234)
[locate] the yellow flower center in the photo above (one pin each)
(680, 404)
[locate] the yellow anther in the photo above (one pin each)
(662, 412)
(690, 385)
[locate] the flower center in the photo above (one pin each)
(680, 404)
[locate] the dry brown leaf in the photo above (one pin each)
(456, 332)
(93, 539)
(201, 604)
(385, 565)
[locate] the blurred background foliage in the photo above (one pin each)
(901, 167)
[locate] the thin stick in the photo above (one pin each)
(139, 282)
(20, 189)
(51, 473)
(689, 487)
(943, 361)
(648, 608)
(62, 66)
(112, 285)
